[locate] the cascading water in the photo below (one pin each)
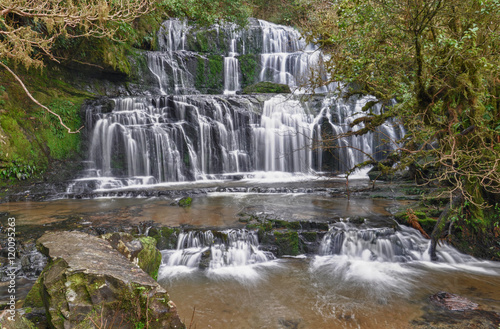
(231, 252)
(232, 67)
(158, 139)
(169, 66)
(383, 260)
(334, 122)
(287, 59)
(283, 139)
(169, 139)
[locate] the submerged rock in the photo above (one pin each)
(88, 281)
(453, 302)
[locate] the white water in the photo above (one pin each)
(169, 66)
(235, 254)
(287, 59)
(363, 277)
(232, 66)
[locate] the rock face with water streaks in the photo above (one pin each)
(87, 280)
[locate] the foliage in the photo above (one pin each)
(29, 29)
(31, 139)
(440, 61)
(20, 171)
(96, 33)
(287, 12)
(207, 12)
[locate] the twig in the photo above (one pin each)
(192, 319)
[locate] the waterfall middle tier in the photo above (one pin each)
(188, 138)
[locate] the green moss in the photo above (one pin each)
(149, 257)
(210, 74)
(31, 138)
(267, 87)
(424, 220)
(34, 297)
(287, 242)
(309, 236)
(185, 202)
(166, 237)
(286, 224)
(249, 66)
(61, 144)
(207, 41)
(427, 224)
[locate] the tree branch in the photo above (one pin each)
(37, 102)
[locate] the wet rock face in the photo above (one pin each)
(87, 280)
(452, 302)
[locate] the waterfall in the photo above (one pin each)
(149, 140)
(231, 67)
(282, 140)
(383, 245)
(171, 139)
(287, 59)
(234, 249)
(169, 65)
(189, 137)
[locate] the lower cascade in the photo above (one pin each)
(347, 252)
(206, 250)
(383, 245)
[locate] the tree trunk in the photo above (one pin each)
(440, 224)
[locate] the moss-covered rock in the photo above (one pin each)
(149, 257)
(88, 281)
(426, 222)
(267, 88)
(17, 321)
(210, 74)
(250, 68)
(34, 297)
(287, 242)
(208, 41)
(166, 237)
(31, 138)
(185, 202)
(141, 251)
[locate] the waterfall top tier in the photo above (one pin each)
(224, 59)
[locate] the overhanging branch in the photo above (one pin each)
(38, 103)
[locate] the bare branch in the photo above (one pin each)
(37, 102)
